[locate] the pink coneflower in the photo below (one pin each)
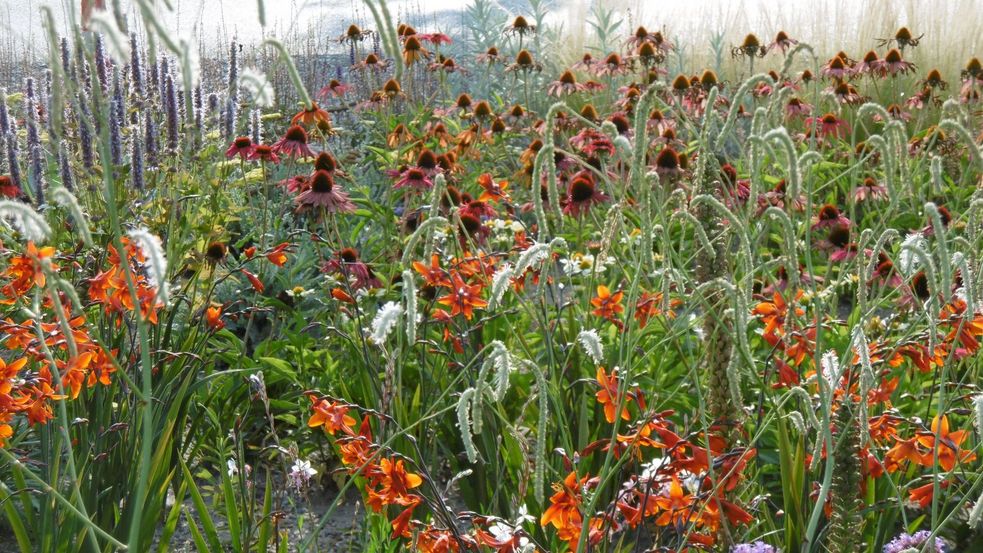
(293, 143)
(582, 193)
(324, 194)
(797, 108)
(776, 197)
(334, 88)
(884, 272)
(896, 112)
(490, 56)
(944, 216)
(845, 93)
(591, 85)
(829, 216)
(870, 189)
(667, 163)
(435, 38)
(479, 209)
(242, 146)
(346, 262)
(263, 152)
(782, 42)
(590, 142)
(868, 64)
(893, 63)
(837, 68)
(472, 229)
(296, 183)
(838, 244)
(828, 125)
(658, 122)
(920, 99)
(566, 84)
(415, 178)
(586, 63)
(612, 65)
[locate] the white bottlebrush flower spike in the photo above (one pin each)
(384, 322)
(25, 220)
(152, 248)
(591, 343)
(258, 86)
(907, 261)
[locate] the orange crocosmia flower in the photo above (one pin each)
(342, 296)
(967, 328)
(463, 298)
(924, 359)
(903, 450)
(564, 510)
(394, 484)
(608, 305)
(278, 255)
(213, 318)
(331, 416)
(773, 313)
(947, 444)
(922, 495)
(254, 280)
(652, 305)
(433, 275)
(492, 191)
(432, 540)
(882, 394)
(25, 272)
(676, 505)
(250, 252)
(609, 395)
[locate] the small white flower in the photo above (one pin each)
(591, 342)
(301, 473)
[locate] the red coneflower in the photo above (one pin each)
(828, 125)
(838, 243)
(324, 194)
(242, 146)
(667, 162)
(413, 51)
(582, 193)
(263, 152)
(782, 42)
(293, 143)
(870, 189)
(490, 56)
(566, 84)
(612, 65)
(893, 63)
(829, 216)
(797, 108)
(837, 68)
(296, 183)
(435, 38)
(334, 88)
(867, 64)
(415, 178)
(346, 262)
(845, 93)
(312, 115)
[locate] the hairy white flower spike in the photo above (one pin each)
(978, 413)
(591, 343)
(830, 365)
(464, 424)
(384, 322)
(976, 514)
(152, 248)
(25, 220)
(500, 285)
(907, 261)
(258, 86)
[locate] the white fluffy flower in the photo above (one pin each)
(384, 322)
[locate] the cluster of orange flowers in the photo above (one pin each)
(110, 289)
(658, 493)
(26, 383)
(388, 483)
(607, 305)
